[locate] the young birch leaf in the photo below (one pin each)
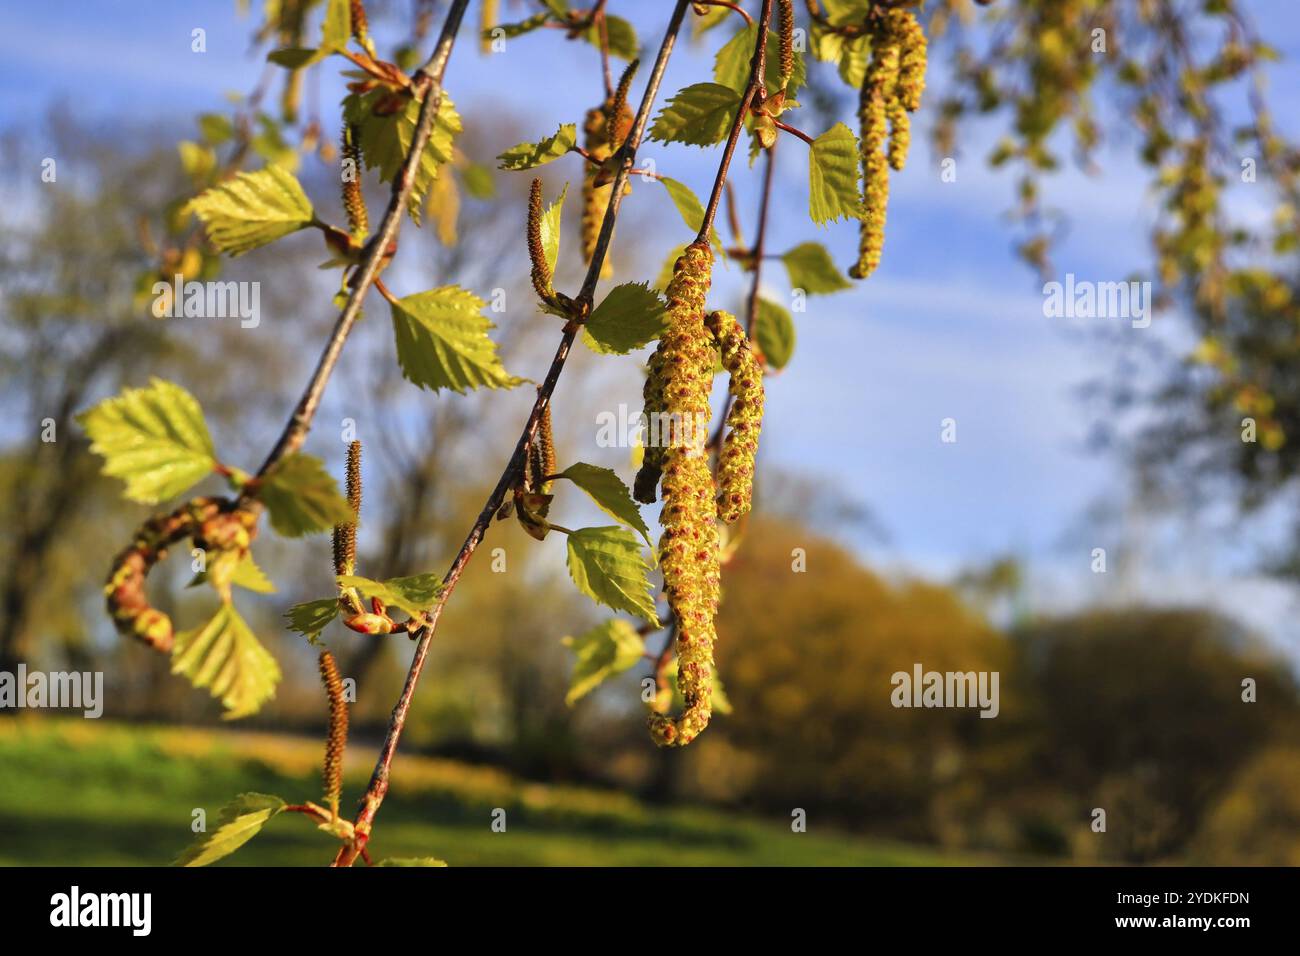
(303, 497)
(621, 36)
(311, 617)
(530, 155)
(833, 176)
(443, 342)
(153, 438)
(610, 494)
(774, 333)
(239, 821)
(551, 229)
(731, 67)
(337, 26)
(689, 207)
(699, 115)
(607, 565)
(295, 57)
(224, 657)
(414, 594)
(385, 138)
(247, 575)
(811, 268)
(626, 319)
(602, 652)
(252, 209)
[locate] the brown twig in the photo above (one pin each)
(428, 81)
(378, 787)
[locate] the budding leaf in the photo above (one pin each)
(337, 27)
(247, 574)
(443, 342)
(699, 115)
(833, 176)
(610, 494)
(551, 229)
(311, 617)
(602, 652)
(385, 137)
(303, 497)
(731, 67)
(296, 57)
(811, 268)
(620, 34)
(774, 333)
(225, 657)
(240, 820)
(607, 565)
(626, 319)
(530, 155)
(689, 207)
(252, 209)
(153, 438)
(414, 594)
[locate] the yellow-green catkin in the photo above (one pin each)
(744, 419)
(489, 16)
(688, 548)
(345, 535)
(604, 129)
(878, 89)
(354, 204)
(337, 738)
(541, 456)
(786, 34)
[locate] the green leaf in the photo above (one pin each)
(530, 155)
(621, 36)
(252, 209)
(731, 68)
(414, 594)
(443, 342)
(700, 115)
(626, 319)
(607, 565)
(811, 268)
(386, 138)
(610, 494)
(337, 27)
(833, 176)
(295, 57)
(774, 333)
(198, 161)
(551, 229)
(239, 821)
(478, 181)
(312, 617)
(411, 861)
(216, 128)
(602, 652)
(153, 438)
(303, 497)
(689, 207)
(225, 657)
(247, 575)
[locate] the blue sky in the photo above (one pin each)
(950, 326)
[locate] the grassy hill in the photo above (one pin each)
(94, 793)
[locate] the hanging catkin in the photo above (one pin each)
(604, 129)
(891, 89)
(744, 420)
(688, 548)
(345, 535)
(337, 739)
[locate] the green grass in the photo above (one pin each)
(80, 792)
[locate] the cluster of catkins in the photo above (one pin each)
(891, 89)
(677, 412)
(216, 525)
(604, 129)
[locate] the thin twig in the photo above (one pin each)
(428, 82)
(378, 787)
